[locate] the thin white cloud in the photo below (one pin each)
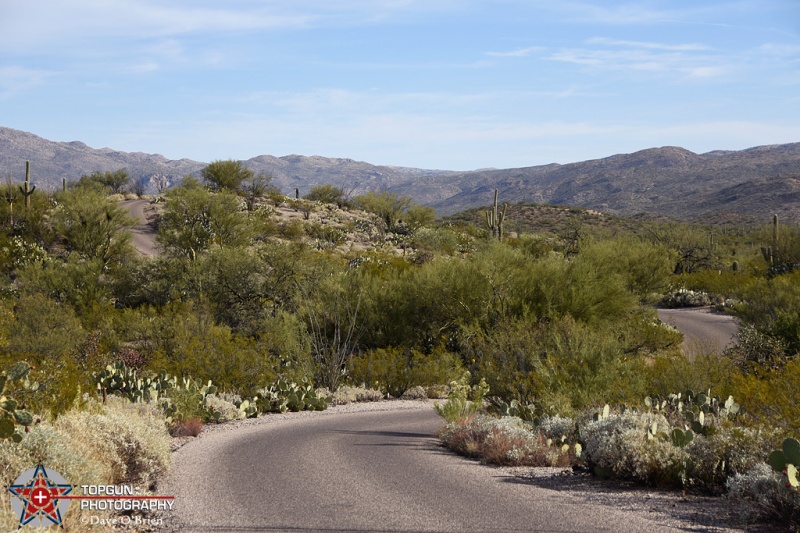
(81, 21)
(66, 22)
(15, 80)
(691, 60)
(688, 47)
(521, 52)
(624, 14)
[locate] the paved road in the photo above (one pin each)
(369, 471)
(143, 235)
(704, 331)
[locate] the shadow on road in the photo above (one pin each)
(400, 434)
(707, 512)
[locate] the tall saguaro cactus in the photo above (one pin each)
(495, 218)
(27, 191)
(770, 252)
(775, 232)
(11, 197)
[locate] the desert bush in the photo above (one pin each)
(773, 307)
(350, 394)
(195, 218)
(504, 441)
(726, 283)
(395, 370)
(756, 351)
(771, 399)
(189, 427)
(579, 288)
(668, 373)
(93, 226)
(235, 287)
(724, 453)
(191, 344)
(557, 427)
(766, 491)
(292, 230)
(45, 328)
(58, 452)
(117, 443)
(618, 446)
(415, 393)
(561, 366)
(18, 251)
(388, 206)
(130, 438)
(463, 399)
(686, 298)
(644, 267)
(327, 194)
(227, 410)
(327, 236)
(445, 241)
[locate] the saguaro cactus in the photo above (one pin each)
(11, 197)
(775, 232)
(27, 191)
(495, 218)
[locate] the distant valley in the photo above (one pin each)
(745, 185)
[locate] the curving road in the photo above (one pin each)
(143, 235)
(704, 331)
(377, 471)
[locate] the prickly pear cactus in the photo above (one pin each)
(284, 396)
(11, 413)
(787, 461)
(681, 438)
(248, 409)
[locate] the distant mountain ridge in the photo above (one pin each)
(672, 181)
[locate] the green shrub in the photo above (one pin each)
(771, 399)
(327, 194)
(728, 452)
(463, 400)
(292, 230)
(349, 394)
(395, 370)
(561, 366)
(284, 396)
(756, 351)
(227, 410)
(618, 446)
(668, 373)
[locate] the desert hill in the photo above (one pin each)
(671, 181)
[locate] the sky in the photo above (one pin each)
(439, 84)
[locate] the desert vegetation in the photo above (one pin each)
(543, 339)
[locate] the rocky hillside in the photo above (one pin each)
(749, 184)
(53, 160)
(669, 181)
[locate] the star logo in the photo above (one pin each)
(38, 497)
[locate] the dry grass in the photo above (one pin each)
(505, 442)
(191, 427)
(118, 443)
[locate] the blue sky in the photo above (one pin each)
(450, 84)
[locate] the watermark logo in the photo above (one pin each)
(40, 497)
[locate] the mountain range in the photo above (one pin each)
(749, 184)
